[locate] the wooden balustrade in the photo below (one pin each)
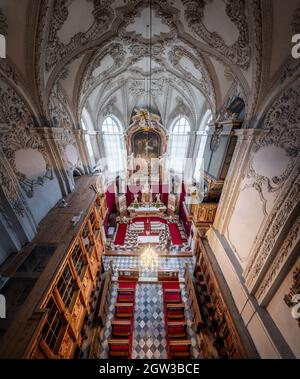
(226, 340)
(53, 320)
(167, 276)
(130, 274)
(197, 319)
(105, 296)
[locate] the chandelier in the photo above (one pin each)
(149, 259)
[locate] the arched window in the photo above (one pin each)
(206, 120)
(88, 143)
(113, 145)
(179, 144)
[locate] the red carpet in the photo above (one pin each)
(121, 234)
(168, 286)
(175, 234)
(129, 285)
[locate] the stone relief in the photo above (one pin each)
(109, 107)
(205, 82)
(167, 15)
(11, 192)
(216, 137)
(282, 123)
(268, 236)
(56, 50)
(240, 52)
(292, 298)
(58, 108)
(13, 109)
(21, 137)
(118, 54)
(281, 258)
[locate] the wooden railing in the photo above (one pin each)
(105, 296)
(130, 274)
(227, 340)
(197, 319)
(167, 276)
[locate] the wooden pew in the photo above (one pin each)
(167, 276)
(121, 328)
(175, 311)
(124, 310)
(177, 329)
(128, 275)
(118, 348)
(125, 295)
(172, 296)
(180, 349)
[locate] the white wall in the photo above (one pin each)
(281, 313)
(32, 165)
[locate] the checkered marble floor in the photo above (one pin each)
(149, 338)
(171, 263)
(164, 246)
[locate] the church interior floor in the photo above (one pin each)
(171, 263)
(149, 338)
(165, 247)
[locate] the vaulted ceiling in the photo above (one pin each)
(107, 56)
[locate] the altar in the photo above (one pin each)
(150, 209)
(148, 240)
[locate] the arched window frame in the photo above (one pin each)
(202, 131)
(179, 142)
(112, 132)
(88, 142)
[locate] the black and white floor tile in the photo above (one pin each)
(171, 263)
(164, 246)
(149, 338)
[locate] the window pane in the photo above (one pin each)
(199, 160)
(179, 144)
(113, 146)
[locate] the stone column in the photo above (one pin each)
(53, 139)
(234, 175)
(80, 139)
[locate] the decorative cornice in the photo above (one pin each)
(282, 256)
(266, 242)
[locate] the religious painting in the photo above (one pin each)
(146, 145)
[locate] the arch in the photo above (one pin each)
(111, 125)
(77, 172)
(179, 141)
(206, 119)
(112, 132)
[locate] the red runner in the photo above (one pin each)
(121, 234)
(175, 234)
